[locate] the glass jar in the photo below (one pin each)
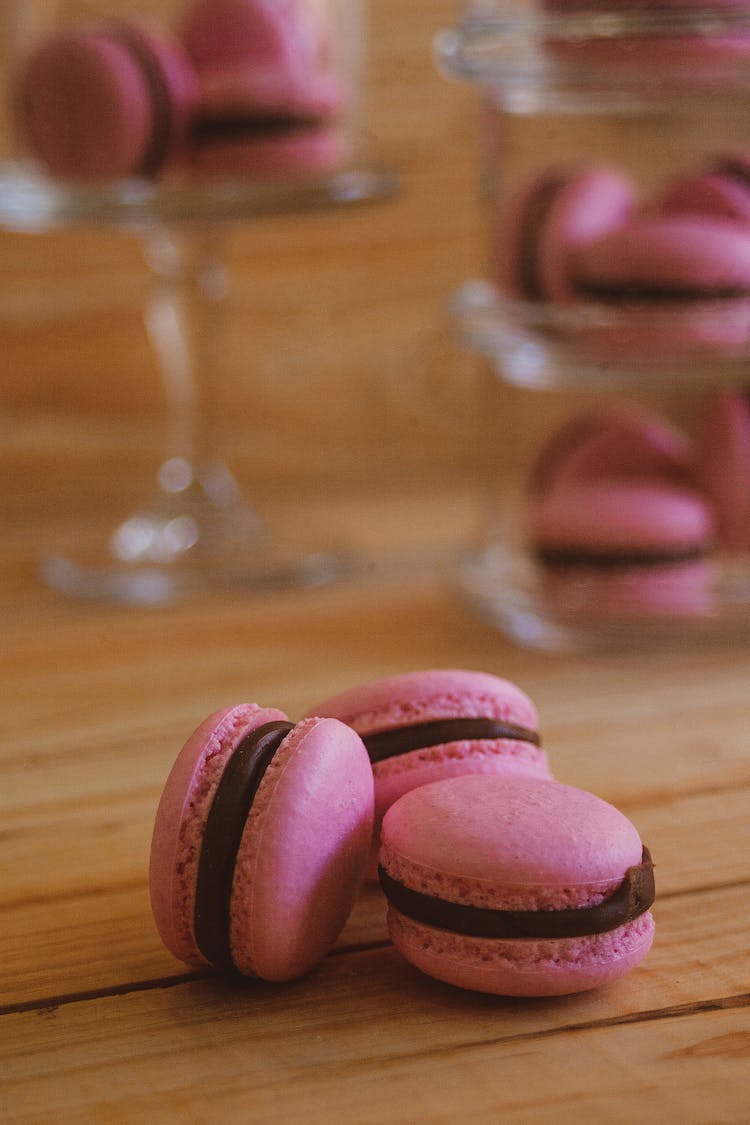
(614, 153)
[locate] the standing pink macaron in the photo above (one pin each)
(422, 726)
(515, 886)
(260, 841)
(106, 102)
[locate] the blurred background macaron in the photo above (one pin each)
(107, 102)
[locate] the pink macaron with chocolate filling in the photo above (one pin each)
(515, 886)
(271, 104)
(107, 102)
(260, 842)
(561, 209)
(422, 726)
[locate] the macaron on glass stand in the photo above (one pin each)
(173, 120)
(613, 315)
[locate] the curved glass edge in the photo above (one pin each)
(494, 45)
(32, 202)
(543, 347)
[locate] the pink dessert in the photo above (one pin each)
(107, 102)
(557, 212)
(270, 102)
(611, 523)
(617, 522)
(439, 723)
(260, 842)
(723, 465)
(516, 886)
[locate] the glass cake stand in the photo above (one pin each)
(196, 531)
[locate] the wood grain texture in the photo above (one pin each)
(335, 341)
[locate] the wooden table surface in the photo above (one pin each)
(99, 1023)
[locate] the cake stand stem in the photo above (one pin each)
(196, 531)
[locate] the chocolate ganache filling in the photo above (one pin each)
(633, 897)
(614, 559)
(419, 736)
(222, 834)
(213, 128)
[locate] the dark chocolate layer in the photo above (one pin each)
(657, 294)
(420, 736)
(614, 559)
(214, 129)
(222, 834)
(632, 898)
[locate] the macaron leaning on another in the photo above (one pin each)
(271, 101)
(515, 886)
(106, 102)
(260, 842)
(422, 726)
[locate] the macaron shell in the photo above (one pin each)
(231, 34)
(523, 968)
(181, 817)
(674, 254)
(508, 843)
(441, 693)
(303, 852)
(612, 515)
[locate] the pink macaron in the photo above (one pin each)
(515, 886)
(560, 210)
(260, 841)
(422, 726)
(609, 524)
(723, 464)
(107, 102)
(271, 103)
